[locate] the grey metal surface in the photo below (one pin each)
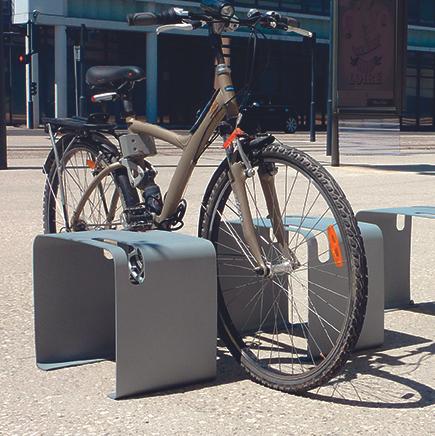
(397, 248)
(375, 385)
(134, 145)
(74, 303)
(245, 313)
(161, 332)
(322, 274)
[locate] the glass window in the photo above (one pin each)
(313, 6)
(291, 5)
(246, 3)
(268, 4)
(413, 11)
(427, 12)
(410, 113)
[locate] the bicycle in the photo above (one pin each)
(292, 277)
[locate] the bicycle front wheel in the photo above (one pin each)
(293, 328)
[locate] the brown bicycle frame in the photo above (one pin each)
(222, 104)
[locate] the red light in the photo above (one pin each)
(21, 58)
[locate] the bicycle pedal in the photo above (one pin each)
(138, 218)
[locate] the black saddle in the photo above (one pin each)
(113, 75)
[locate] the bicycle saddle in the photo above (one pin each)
(106, 75)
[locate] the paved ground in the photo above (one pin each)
(387, 390)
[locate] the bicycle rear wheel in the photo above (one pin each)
(79, 163)
(293, 329)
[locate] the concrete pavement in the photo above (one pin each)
(387, 390)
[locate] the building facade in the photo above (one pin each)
(174, 59)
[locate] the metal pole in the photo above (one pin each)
(76, 77)
(11, 111)
(3, 143)
(330, 73)
(82, 99)
(335, 151)
(29, 53)
(313, 89)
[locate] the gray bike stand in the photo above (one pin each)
(397, 249)
(321, 275)
(246, 315)
(161, 332)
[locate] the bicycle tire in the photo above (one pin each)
(215, 199)
(50, 208)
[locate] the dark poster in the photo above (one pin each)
(367, 54)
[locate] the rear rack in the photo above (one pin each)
(80, 125)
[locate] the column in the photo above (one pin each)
(32, 75)
(151, 77)
(60, 71)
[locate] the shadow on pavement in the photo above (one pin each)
(30, 167)
(369, 382)
(424, 308)
(422, 169)
(22, 131)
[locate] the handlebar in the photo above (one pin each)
(290, 21)
(174, 18)
(151, 19)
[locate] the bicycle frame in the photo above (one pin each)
(223, 103)
(193, 145)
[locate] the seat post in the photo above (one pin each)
(127, 103)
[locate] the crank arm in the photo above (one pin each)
(237, 179)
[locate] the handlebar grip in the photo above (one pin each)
(290, 21)
(151, 19)
(143, 19)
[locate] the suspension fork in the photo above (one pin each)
(267, 173)
(238, 178)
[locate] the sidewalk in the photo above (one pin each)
(389, 390)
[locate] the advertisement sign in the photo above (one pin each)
(371, 49)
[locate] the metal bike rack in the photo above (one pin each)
(321, 274)
(397, 249)
(146, 300)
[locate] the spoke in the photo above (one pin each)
(321, 270)
(314, 236)
(239, 286)
(302, 216)
(238, 240)
(308, 232)
(237, 266)
(302, 323)
(319, 297)
(289, 195)
(320, 286)
(258, 297)
(307, 307)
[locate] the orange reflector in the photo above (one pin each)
(334, 247)
(236, 132)
(91, 164)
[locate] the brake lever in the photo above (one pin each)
(300, 31)
(192, 25)
(181, 26)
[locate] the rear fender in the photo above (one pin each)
(95, 139)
